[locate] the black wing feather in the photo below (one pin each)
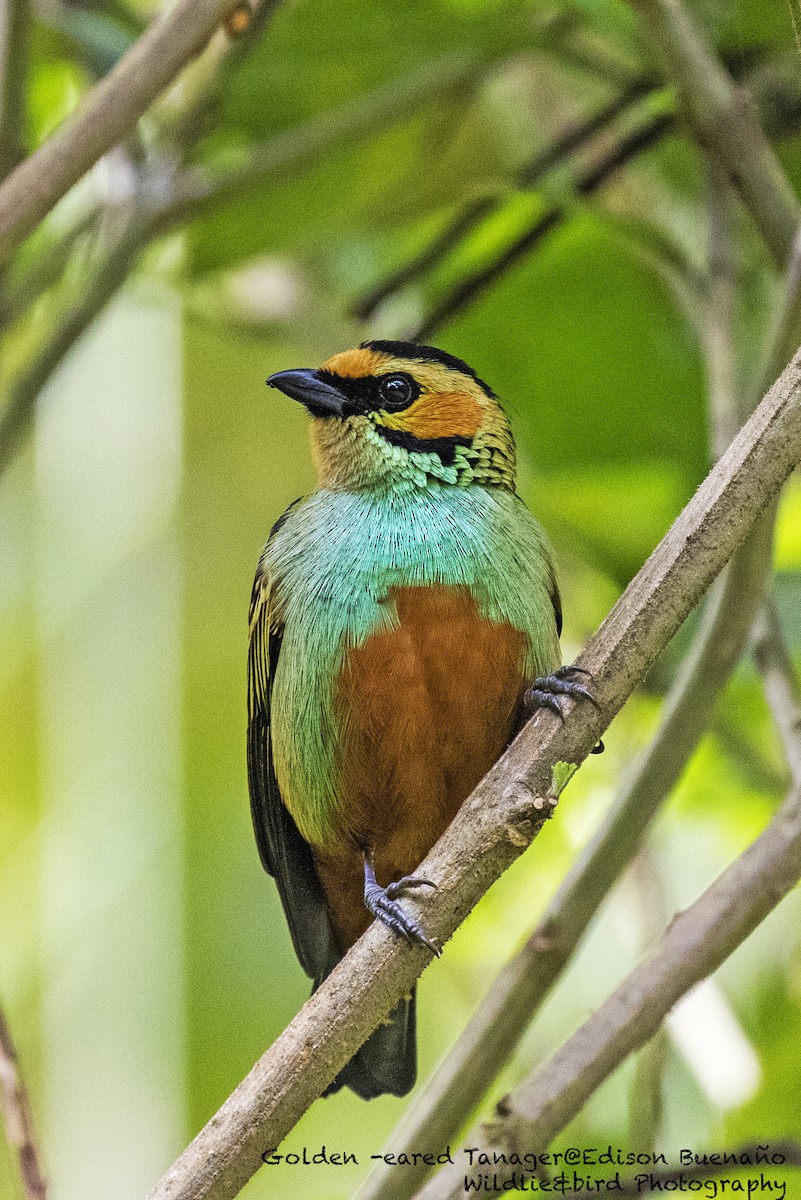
(556, 601)
(284, 853)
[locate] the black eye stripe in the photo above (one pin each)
(373, 393)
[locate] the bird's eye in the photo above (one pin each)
(397, 391)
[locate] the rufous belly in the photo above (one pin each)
(425, 709)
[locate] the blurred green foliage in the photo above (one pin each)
(594, 340)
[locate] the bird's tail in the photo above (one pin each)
(387, 1062)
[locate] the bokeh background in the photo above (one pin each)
(144, 960)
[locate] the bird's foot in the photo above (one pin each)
(383, 904)
(548, 691)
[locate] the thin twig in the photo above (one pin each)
(718, 314)
(138, 231)
(96, 293)
(106, 116)
(646, 135)
(503, 814)
(780, 685)
(196, 191)
(182, 133)
(695, 944)
(15, 20)
(22, 291)
(471, 214)
(724, 122)
(17, 1116)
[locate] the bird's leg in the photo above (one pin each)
(383, 904)
(547, 692)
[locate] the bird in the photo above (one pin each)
(404, 619)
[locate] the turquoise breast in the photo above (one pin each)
(332, 564)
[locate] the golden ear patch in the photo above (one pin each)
(355, 364)
(438, 414)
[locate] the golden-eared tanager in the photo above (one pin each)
(402, 617)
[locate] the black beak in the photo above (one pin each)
(321, 399)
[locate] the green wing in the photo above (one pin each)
(284, 853)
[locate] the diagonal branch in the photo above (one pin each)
(139, 228)
(97, 291)
(495, 1029)
(105, 117)
(491, 1036)
(696, 942)
(647, 134)
(780, 686)
(15, 19)
(476, 211)
(16, 1111)
(503, 814)
(197, 190)
(724, 122)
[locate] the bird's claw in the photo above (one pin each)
(384, 906)
(407, 883)
(546, 692)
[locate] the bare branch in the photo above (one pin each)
(724, 122)
(17, 1116)
(494, 1031)
(642, 138)
(503, 814)
(197, 191)
(780, 686)
(475, 211)
(139, 228)
(97, 291)
(696, 942)
(15, 18)
(106, 117)
(451, 1094)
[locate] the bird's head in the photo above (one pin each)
(399, 414)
